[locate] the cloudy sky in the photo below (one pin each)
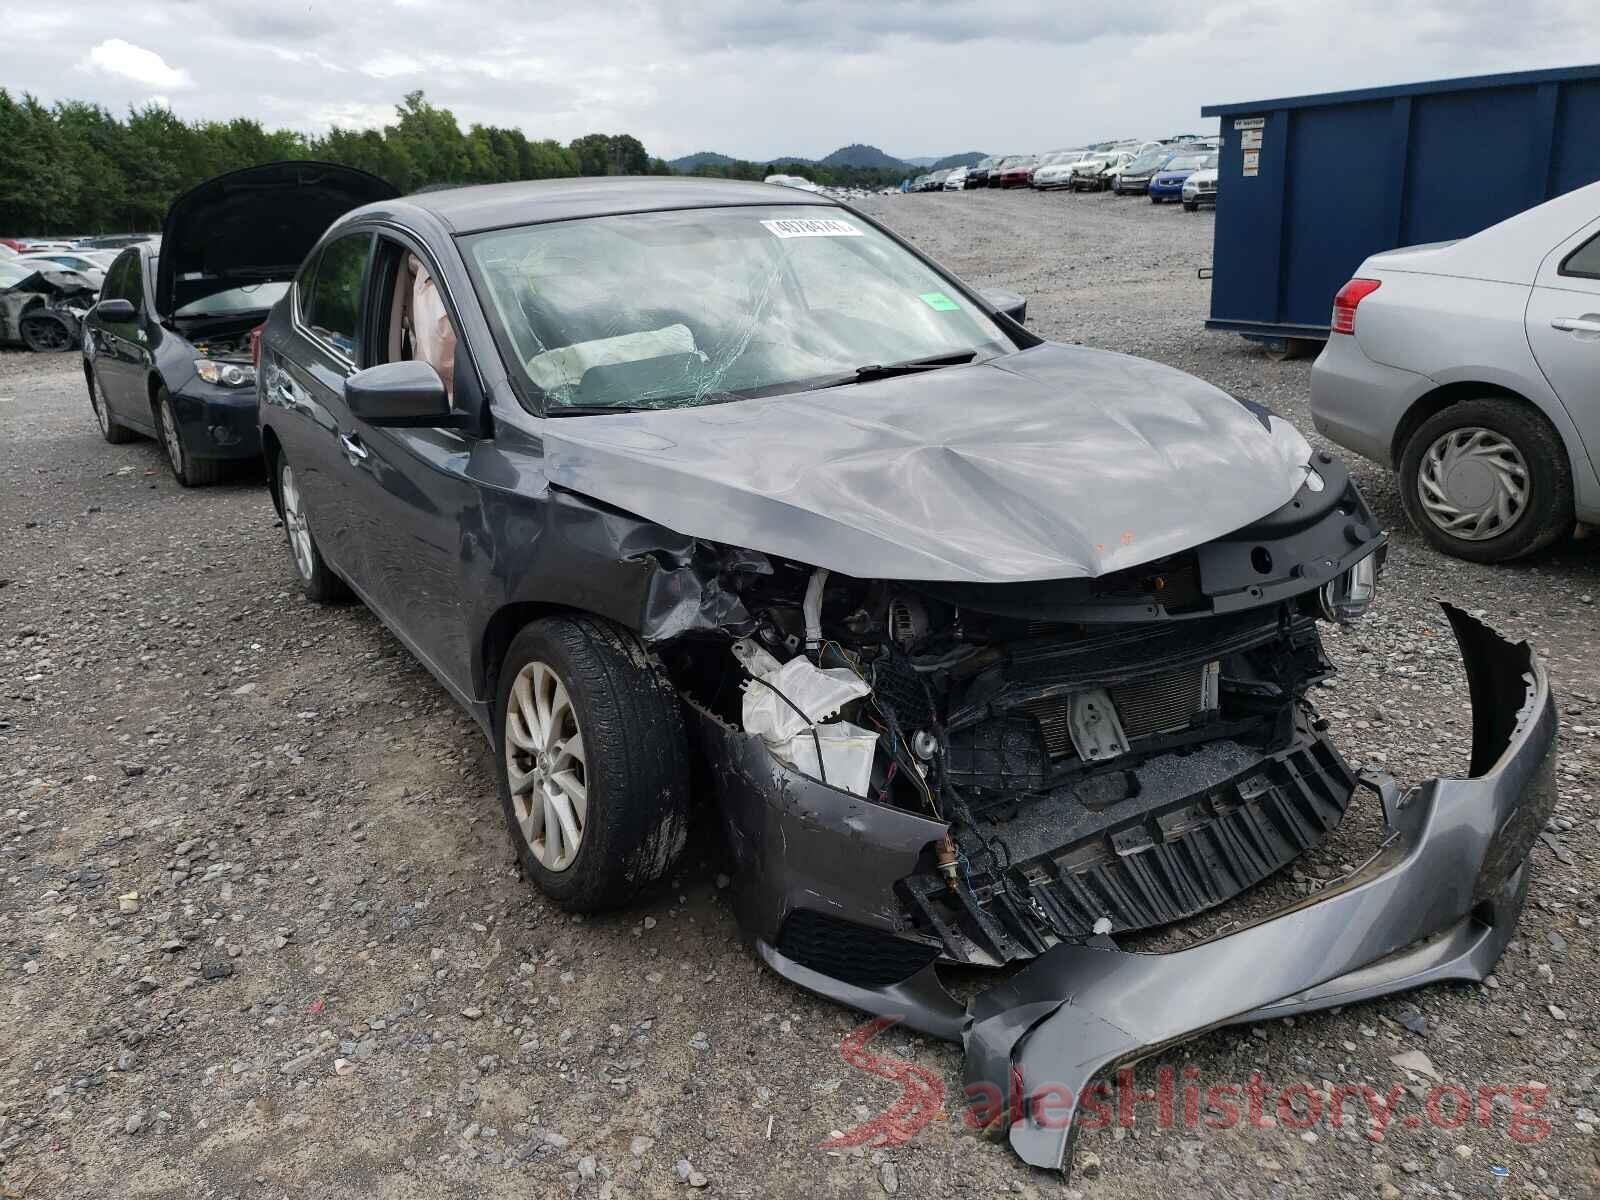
(761, 78)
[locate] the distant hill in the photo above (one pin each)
(848, 165)
(705, 158)
(858, 155)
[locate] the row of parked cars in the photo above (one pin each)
(1182, 169)
(46, 287)
(533, 427)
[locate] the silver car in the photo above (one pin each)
(1473, 368)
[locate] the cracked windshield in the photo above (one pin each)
(676, 309)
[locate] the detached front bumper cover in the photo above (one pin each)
(1439, 900)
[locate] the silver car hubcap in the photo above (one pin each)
(169, 435)
(1473, 484)
(546, 767)
(294, 522)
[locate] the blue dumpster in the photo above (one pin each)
(1311, 185)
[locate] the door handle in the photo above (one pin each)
(1576, 324)
(353, 447)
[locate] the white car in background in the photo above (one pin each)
(86, 263)
(956, 180)
(1054, 169)
(1200, 188)
(1094, 172)
(798, 182)
(1473, 368)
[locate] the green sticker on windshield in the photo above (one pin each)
(938, 301)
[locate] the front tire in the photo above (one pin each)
(316, 579)
(110, 428)
(188, 470)
(1487, 481)
(592, 762)
(46, 333)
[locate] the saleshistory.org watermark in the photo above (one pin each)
(1180, 1099)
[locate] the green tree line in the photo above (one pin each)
(76, 168)
(826, 176)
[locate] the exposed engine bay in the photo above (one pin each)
(222, 340)
(1107, 754)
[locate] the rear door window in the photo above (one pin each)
(332, 311)
(1584, 262)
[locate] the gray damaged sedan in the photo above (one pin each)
(988, 651)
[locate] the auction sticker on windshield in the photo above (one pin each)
(792, 227)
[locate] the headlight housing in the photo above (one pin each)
(1351, 594)
(228, 374)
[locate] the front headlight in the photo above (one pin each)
(228, 374)
(1351, 594)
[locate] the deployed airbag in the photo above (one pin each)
(564, 367)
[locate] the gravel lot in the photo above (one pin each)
(261, 934)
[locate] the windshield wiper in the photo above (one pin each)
(591, 410)
(910, 367)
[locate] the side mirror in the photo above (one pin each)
(115, 310)
(398, 393)
(1009, 303)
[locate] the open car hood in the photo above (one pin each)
(1051, 463)
(253, 225)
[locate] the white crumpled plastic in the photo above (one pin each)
(847, 750)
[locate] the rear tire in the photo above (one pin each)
(317, 580)
(1286, 349)
(1457, 457)
(626, 785)
(188, 470)
(110, 429)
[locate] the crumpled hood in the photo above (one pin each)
(1051, 463)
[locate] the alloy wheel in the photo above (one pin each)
(294, 522)
(47, 336)
(545, 766)
(170, 438)
(1473, 483)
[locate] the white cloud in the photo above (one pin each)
(117, 57)
(353, 115)
(391, 65)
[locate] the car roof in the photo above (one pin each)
(529, 202)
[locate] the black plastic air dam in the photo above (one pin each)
(1439, 900)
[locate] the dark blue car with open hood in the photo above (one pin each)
(166, 350)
